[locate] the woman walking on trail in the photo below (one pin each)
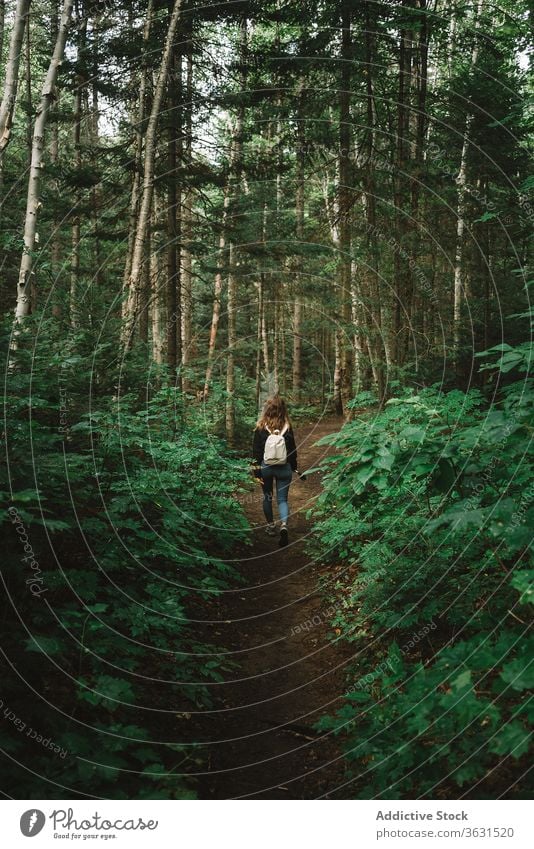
(275, 455)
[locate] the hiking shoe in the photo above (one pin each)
(283, 536)
(271, 530)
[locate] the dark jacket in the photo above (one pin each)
(258, 446)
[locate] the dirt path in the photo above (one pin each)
(261, 729)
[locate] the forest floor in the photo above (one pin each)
(259, 739)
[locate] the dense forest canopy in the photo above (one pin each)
(205, 203)
(286, 185)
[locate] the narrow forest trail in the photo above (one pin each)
(276, 628)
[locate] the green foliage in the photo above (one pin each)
(128, 509)
(432, 499)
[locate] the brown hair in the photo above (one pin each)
(274, 415)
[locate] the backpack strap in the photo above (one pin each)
(281, 432)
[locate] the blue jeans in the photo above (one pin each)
(282, 475)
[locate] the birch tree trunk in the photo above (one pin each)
(138, 164)
(12, 72)
(217, 295)
(138, 256)
(23, 307)
(28, 87)
(2, 27)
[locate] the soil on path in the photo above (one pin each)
(259, 738)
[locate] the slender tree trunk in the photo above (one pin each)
(93, 133)
(146, 291)
(138, 256)
(401, 268)
(299, 232)
(32, 204)
(345, 294)
(232, 282)
(461, 183)
(264, 334)
(12, 73)
(232, 341)
(54, 157)
(2, 34)
(156, 309)
(333, 217)
(28, 87)
(336, 390)
(2, 27)
(138, 156)
(276, 341)
(217, 294)
(187, 232)
(258, 347)
(374, 343)
(419, 86)
(157, 290)
(451, 45)
(174, 217)
(74, 309)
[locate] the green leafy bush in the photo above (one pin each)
(127, 506)
(432, 499)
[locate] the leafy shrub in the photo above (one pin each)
(128, 509)
(432, 499)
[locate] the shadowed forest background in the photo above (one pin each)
(204, 204)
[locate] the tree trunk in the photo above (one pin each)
(74, 308)
(2, 28)
(28, 87)
(402, 276)
(234, 178)
(174, 218)
(12, 73)
(263, 329)
(54, 158)
(299, 233)
(186, 285)
(217, 294)
(34, 183)
(157, 289)
(136, 274)
(461, 182)
(146, 291)
(258, 348)
(374, 342)
(232, 340)
(344, 258)
(92, 118)
(138, 158)
(336, 394)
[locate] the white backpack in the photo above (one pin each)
(275, 453)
